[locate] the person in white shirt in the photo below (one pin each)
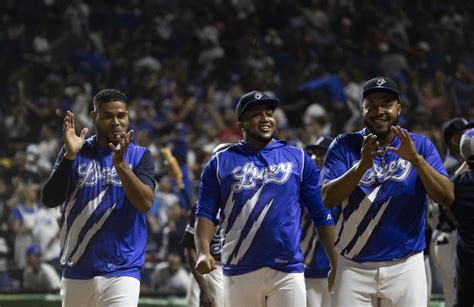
(169, 277)
(39, 276)
(46, 234)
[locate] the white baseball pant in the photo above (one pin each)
(100, 292)
(398, 283)
(215, 284)
(317, 293)
(265, 287)
(443, 253)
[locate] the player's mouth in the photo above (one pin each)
(380, 121)
(265, 128)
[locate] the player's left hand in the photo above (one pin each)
(123, 140)
(407, 149)
(331, 279)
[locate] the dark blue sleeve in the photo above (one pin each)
(311, 194)
(54, 190)
(208, 198)
(145, 170)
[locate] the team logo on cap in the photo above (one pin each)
(380, 81)
(257, 95)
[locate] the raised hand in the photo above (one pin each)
(407, 149)
(368, 151)
(123, 140)
(72, 141)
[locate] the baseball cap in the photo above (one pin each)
(253, 99)
(381, 84)
(466, 145)
(33, 249)
(322, 142)
(455, 125)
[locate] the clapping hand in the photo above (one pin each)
(123, 140)
(72, 141)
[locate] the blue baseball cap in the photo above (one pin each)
(253, 99)
(381, 84)
(33, 250)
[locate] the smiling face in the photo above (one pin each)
(380, 111)
(259, 125)
(110, 119)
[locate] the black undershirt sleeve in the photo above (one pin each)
(54, 191)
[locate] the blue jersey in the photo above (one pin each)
(102, 233)
(384, 217)
(316, 261)
(260, 194)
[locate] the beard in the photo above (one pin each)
(258, 137)
(105, 136)
(378, 132)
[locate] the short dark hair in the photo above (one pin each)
(471, 164)
(108, 95)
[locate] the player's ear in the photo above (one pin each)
(399, 108)
(241, 124)
(93, 115)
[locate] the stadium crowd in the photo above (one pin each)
(183, 65)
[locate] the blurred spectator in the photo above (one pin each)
(164, 198)
(316, 123)
(40, 155)
(170, 235)
(24, 170)
(39, 276)
(169, 277)
(22, 221)
(77, 14)
(5, 281)
(46, 234)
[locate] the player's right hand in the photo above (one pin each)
(72, 141)
(205, 298)
(205, 264)
(369, 151)
(331, 279)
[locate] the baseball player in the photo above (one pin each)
(444, 238)
(260, 185)
(206, 290)
(105, 184)
(380, 177)
(316, 262)
(463, 210)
